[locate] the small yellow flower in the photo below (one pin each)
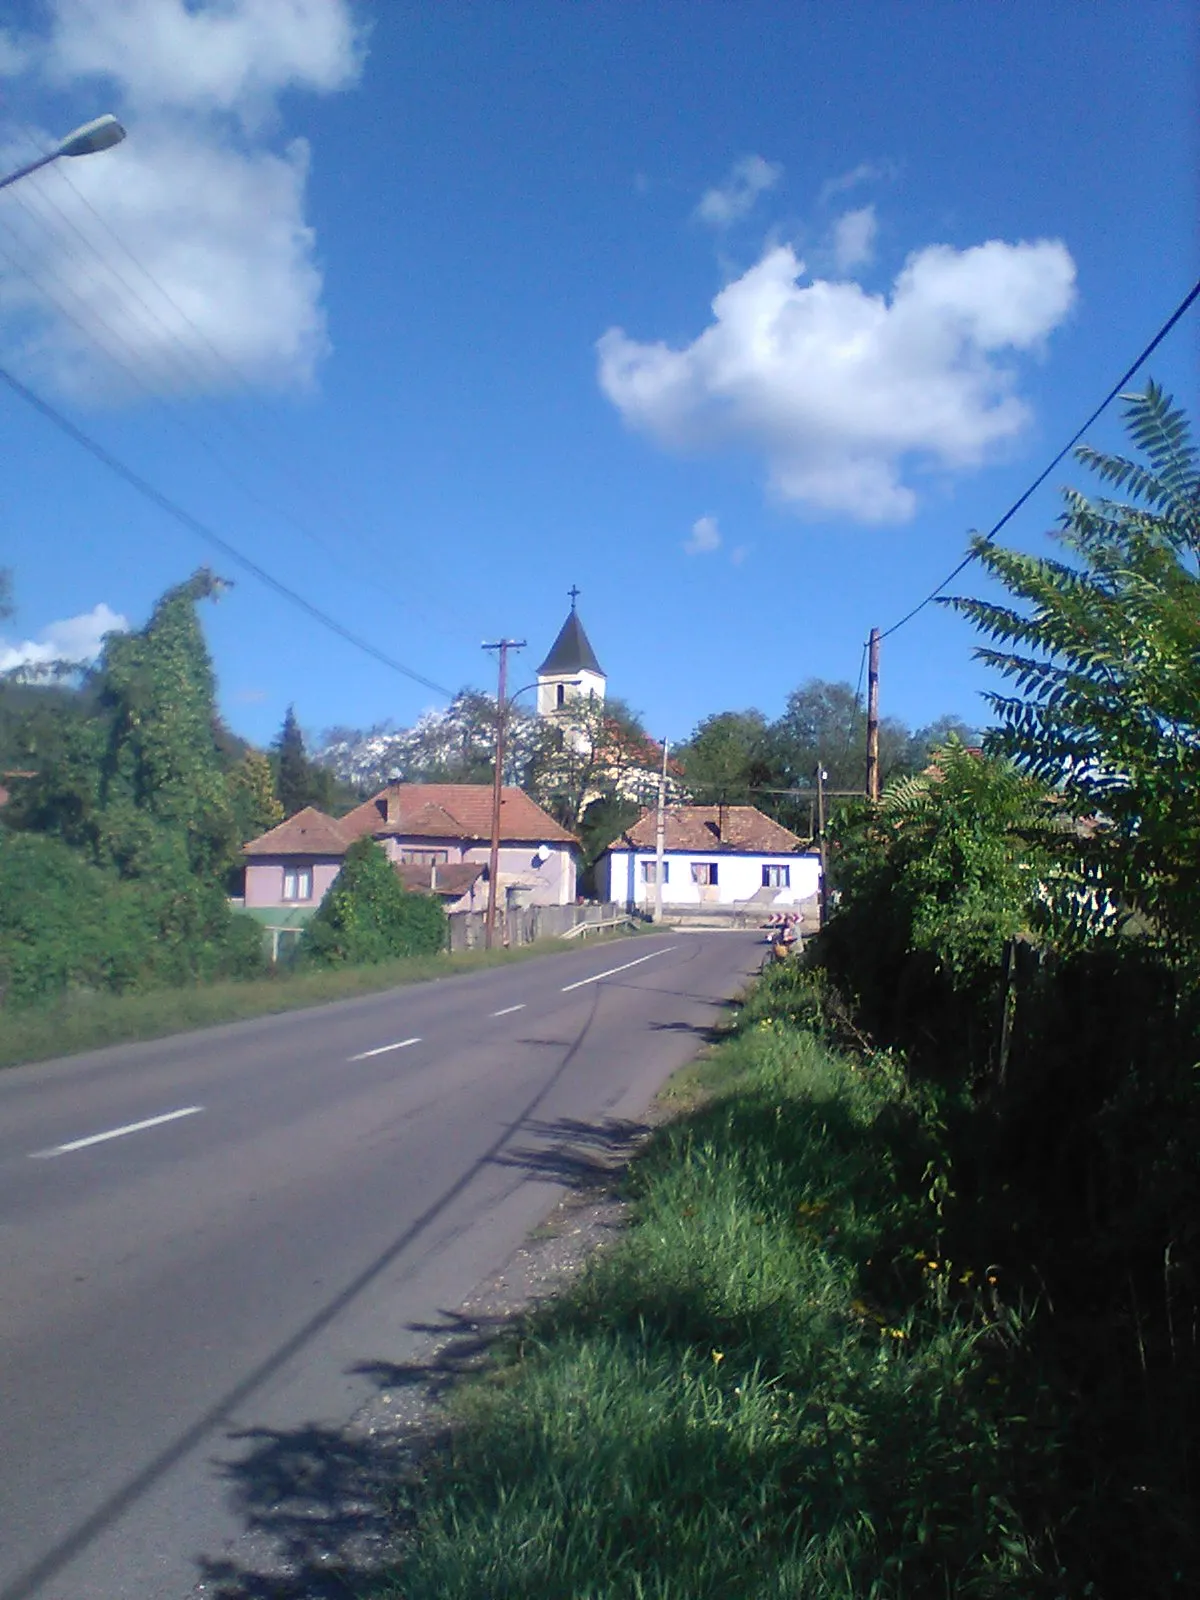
(896, 1333)
(718, 1356)
(932, 1266)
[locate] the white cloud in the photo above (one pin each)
(76, 640)
(841, 390)
(704, 537)
(738, 554)
(198, 195)
(728, 202)
(224, 55)
(854, 238)
(864, 172)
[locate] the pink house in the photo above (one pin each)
(437, 835)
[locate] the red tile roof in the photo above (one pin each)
(742, 829)
(453, 811)
(309, 833)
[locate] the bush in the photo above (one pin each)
(66, 924)
(370, 916)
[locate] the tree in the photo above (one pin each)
(728, 758)
(292, 783)
(600, 750)
(369, 916)
(137, 786)
(252, 786)
(1103, 652)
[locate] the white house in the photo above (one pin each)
(731, 856)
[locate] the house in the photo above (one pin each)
(438, 837)
(728, 856)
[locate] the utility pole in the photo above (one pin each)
(503, 646)
(822, 775)
(873, 716)
(660, 836)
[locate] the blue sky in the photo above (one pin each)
(415, 305)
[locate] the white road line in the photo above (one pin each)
(509, 1009)
(382, 1050)
(114, 1133)
(595, 978)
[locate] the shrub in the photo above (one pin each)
(369, 915)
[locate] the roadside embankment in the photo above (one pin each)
(89, 1021)
(773, 1384)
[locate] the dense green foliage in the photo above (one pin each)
(300, 782)
(368, 915)
(129, 815)
(1104, 656)
(740, 758)
(1025, 928)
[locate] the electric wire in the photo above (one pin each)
(1112, 394)
(195, 376)
(209, 535)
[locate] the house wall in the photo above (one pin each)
(264, 879)
(739, 878)
(550, 883)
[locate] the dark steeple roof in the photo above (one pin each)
(571, 651)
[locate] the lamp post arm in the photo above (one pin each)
(32, 166)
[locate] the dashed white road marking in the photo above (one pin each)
(508, 1009)
(115, 1133)
(596, 976)
(382, 1050)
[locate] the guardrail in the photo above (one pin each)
(595, 927)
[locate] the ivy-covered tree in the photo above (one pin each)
(368, 915)
(252, 787)
(1103, 652)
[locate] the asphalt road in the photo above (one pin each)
(225, 1231)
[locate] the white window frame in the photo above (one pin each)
(298, 883)
(704, 873)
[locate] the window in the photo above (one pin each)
(650, 872)
(560, 694)
(704, 872)
(297, 883)
(424, 858)
(777, 877)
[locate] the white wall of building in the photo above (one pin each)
(580, 685)
(739, 878)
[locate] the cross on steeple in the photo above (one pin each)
(574, 593)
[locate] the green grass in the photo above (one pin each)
(90, 1021)
(773, 1386)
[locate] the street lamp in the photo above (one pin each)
(99, 134)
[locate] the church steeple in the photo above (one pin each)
(571, 670)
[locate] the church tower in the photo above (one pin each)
(570, 671)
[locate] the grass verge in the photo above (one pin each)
(90, 1021)
(773, 1385)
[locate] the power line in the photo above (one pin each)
(195, 373)
(209, 535)
(1070, 445)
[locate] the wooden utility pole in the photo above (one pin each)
(660, 836)
(823, 901)
(503, 646)
(873, 716)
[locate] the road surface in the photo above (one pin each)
(224, 1231)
